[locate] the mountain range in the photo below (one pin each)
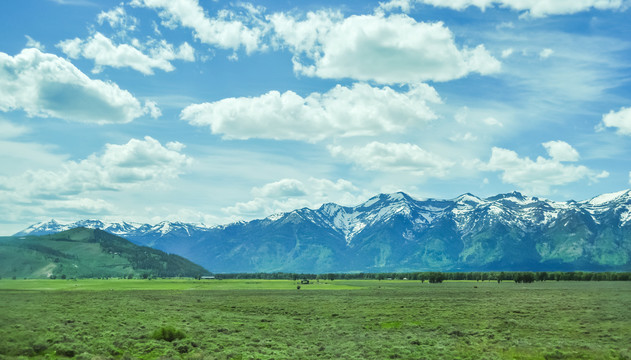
(394, 232)
(82, 253)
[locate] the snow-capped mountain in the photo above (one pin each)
(394, 232)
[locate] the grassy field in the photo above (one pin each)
(271, 319)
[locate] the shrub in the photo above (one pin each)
(66, 352)
(168, 333)
(39, 347)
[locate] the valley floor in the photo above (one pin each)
(271, 319)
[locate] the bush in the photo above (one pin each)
(168, 333)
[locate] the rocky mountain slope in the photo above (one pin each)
(394, 232)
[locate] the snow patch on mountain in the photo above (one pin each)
(467, 212)
(607, 198)
(275, 216)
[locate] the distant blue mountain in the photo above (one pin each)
(394, 232)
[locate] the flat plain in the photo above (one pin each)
(340, 319)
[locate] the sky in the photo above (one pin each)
(212, 112)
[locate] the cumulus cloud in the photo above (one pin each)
(395, 157)
(104, 52)
(46, 85)
(32, 43)
(118, 19)
(403, 5)
(118, 167)
(459, 4)
(561, 151)
(289, 194)
(621, 120)
(153, 109)
(390, 49)
(539, 176)
(546, 53)
(361, 110)
(226, 31)
(533, 8)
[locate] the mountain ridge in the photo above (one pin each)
(83, 252)
(394, 231)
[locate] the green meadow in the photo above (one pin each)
(340, 319)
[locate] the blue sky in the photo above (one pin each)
(212, 112)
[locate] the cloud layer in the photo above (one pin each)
(290, 194)
(540, 176)
(621, 120)
(46, 85)
(395, 157)
(391, 49)
(118, 167)
(532, 8)
(224, 31)
(361, 110)
(105, 53)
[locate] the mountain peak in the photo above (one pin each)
(515, 194)
(398, 196)
(624, 195)
(468, 199)
(387, 198)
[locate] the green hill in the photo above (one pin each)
(87, 253)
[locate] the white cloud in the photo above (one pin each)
(403, 5)
(18, 157)
(290, 194)
(9, 130)
(82, 206)
(138, 162)
(139, 169)
(153, 109)
(224, 32)
(45, 85)
(493, 122)
(389, 50)
(281, 188)
(105, 53)
(118, 18)
(539, 176)
(460, 137)
(32, 43)
(459, 4)
(546, 53)
(361, 110)
(395, 157)
(561, 151)
(533, 8)
(620, 119)
(507, 52)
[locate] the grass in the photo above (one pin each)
(173, 284)
(271, 319)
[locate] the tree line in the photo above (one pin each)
(435, 277)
